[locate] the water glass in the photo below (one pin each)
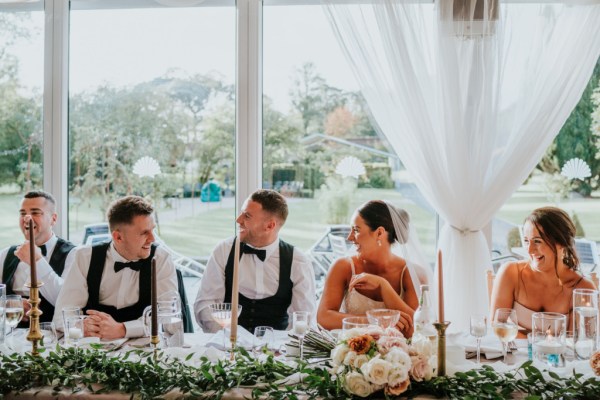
(170, 323)
(49, 334)
(263, 335)
(478, 328)
(70, 311)
(354, 322)
(585, 322)
(549, 333)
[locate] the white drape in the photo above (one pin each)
(469, 109)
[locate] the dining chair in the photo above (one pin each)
(490, 283)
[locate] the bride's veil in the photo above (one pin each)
(408, 247)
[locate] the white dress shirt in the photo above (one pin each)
(52, 281)
(257, 280)
(117, 289)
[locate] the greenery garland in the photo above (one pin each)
(137, 372)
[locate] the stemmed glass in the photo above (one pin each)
(262, 336)
(221, 313)
(479, 330)
(301, 323)
(505, 327)
(13, 311)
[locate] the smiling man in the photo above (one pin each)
(111, 281)
(51, 253)
(275, 279)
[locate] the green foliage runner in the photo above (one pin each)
(139, 374)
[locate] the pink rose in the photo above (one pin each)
(595, 362)
(398, 389)
(385, 344)
(421, 369)
(392, 331)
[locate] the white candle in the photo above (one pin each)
(584, 348)
(549, 347)
(300, 327)
(586, 311)
(75, 333)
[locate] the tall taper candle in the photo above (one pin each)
(32, 254)
(234, 293)
(440, 288)
(154, 327)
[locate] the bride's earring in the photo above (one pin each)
(378, 242)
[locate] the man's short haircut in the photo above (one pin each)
(124, 210)
(34, 194)
(272, 202)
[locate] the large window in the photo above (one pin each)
(319, 147)
(152, 112)
(21, 122)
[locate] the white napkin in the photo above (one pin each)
(491, 346)
(244, 339)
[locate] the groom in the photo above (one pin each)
(275, 278)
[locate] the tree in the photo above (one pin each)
(576, 138)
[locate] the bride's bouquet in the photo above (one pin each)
(370, 359)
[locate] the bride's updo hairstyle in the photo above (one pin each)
(376, 213)
(556, 228)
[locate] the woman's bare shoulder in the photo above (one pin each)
(512, 268)
(341, 266)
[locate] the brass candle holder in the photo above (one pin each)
(154, 341)
(233, 340)
(35, 334)
(441, 353)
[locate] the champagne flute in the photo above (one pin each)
(300, 323)
(13, 311)
(479, 330)
(505, 327)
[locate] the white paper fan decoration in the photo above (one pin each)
(576, 168)
(350, 166)
(146, 166)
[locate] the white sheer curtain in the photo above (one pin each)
(468, 107)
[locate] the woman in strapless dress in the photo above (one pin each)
(546, 281)
(375, 277)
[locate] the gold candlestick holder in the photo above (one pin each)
(441, 354)
(233, 340)
(154, 341)
(35, 334)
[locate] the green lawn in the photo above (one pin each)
(196, 232)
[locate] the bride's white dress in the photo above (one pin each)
(357, 303)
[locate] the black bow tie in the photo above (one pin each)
(43, 249)
(134, 265)
(261, 254)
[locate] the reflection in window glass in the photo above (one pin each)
(21, 90)
(152, 112)
(317, 134)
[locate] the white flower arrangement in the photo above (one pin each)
(367, 360)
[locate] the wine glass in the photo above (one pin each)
(262, 336)
(13, 311)
(300, 324)
(505, 327)
(479, 330)
(49, 333)
(221, 313)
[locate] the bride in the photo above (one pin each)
(375, 277)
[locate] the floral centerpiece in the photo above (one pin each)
(367, 360)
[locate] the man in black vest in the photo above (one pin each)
(111, 281)
(275, 279)
(51, 253)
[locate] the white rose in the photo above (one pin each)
(398, 357)
(422, 346)
(397, 376)
(349, 333)
(350, 357)
(360, 360)
(338, 354)
(355, 383)
(376, 370)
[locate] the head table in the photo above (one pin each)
(211, 347)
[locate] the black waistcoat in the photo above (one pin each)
(270, 311)
(57, 262)
(94, 278)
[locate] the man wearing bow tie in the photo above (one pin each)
(275, 278)
(51, 254)
(111, 281)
